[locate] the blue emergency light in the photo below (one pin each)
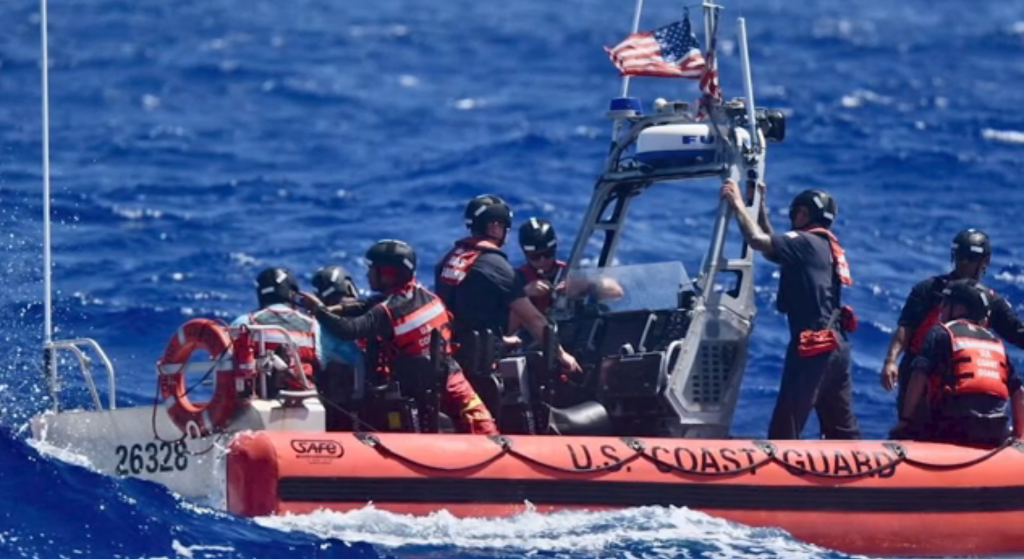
(625, 107)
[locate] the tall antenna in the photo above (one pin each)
(48, 362)
(637, 11)
(748, 85)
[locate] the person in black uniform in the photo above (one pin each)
(969, 255)
(964, 376)
(542, 273)
(403, 317)
(477, 283)
(816, 374)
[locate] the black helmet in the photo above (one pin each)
(970, 244)
(536, 235)
(389, 252)
(820, 204)
(332, 283)
(484, 209)
(275, 285)
(972, 295)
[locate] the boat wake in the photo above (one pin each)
(644, 531)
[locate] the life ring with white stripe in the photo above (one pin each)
(200, 419)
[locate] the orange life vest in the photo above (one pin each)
(459, 260)
(839, 263)
(415, 313)
(531, 274)
(978, 363)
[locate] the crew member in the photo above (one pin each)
(965, 372)
(335, 288)
(344, 378)
(275, 290)
(969, 255)
(543, 271)
(544, 274)
(404, 318)
(478, 284)
(816, 374)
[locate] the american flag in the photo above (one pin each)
(671, 51)
(709, 79)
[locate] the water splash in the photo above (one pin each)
(648, 531)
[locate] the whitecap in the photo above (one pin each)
(408, 80)
(861, 97)
(468, 103)
(1004, 136)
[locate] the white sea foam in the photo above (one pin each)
(1003, 136)
(660, 531)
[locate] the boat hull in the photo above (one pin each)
(880, 498)
(142, 442)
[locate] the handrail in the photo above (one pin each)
(292, 349)
(85, 364)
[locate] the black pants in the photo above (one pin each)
(821, 383)
(987, 432)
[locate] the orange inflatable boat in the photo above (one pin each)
(874, 497)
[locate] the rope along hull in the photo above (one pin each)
(873, 497)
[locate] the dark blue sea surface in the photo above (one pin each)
(195, 142)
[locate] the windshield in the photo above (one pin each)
(630, 288)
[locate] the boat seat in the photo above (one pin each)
(588, 418)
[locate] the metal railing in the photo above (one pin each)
(85, 365)
(293, 354)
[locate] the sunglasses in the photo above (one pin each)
(534, 256)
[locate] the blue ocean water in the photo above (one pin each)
(195, 142)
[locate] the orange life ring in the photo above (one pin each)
(201, 418)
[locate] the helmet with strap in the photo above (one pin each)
(395, 257)
(821, 206)
(537, 235)
(974, 297)
(333, 283)
(970, 244)
(485, 209)
(275, 285)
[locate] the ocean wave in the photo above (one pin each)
(648, 531)
(1003, 136)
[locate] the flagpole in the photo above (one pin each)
(625, 79)
(49, 363)
(636, 27)
(709, 13)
